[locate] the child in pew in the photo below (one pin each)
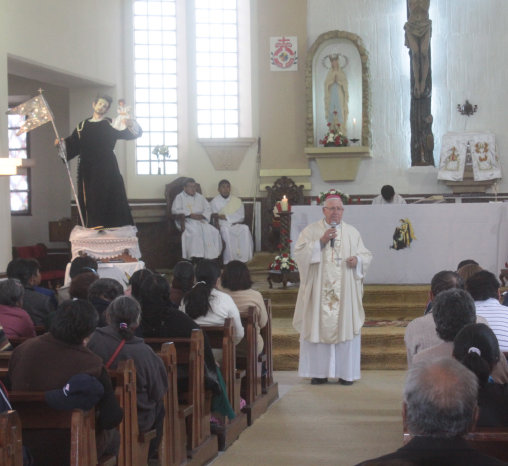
(117, 342)
(477, 348)
(161, 319)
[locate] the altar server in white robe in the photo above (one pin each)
(199, 239)
(329, 314)
(236, 236)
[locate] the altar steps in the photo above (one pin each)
(388, 309)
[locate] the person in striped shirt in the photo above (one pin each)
(484, 288)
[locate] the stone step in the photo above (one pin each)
(372, 312)
(371, 358)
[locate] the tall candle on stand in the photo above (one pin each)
(354, 128)
(284, 204)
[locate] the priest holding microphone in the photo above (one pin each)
(329, 315)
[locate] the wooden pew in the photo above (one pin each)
(134, 445)
(251, 388)
(268, 387)
(172, 451)
(56, 437)
(492, 441)
(202, 446)
(11, 451)
(222, 337)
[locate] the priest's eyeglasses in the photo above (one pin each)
(335, 209)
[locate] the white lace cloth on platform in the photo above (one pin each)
(107, 243)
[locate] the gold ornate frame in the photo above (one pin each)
(366, 135)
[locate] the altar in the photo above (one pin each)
(444, 235)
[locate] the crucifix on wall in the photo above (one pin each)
(418, 29)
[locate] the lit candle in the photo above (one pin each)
(284, 204)
(354, 127)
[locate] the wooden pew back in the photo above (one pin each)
(190, 352)
(253, 378)
(222, 337)
(266, 333)
(11, 451)
(53, 436)
(173, 450)
(134, 445)
(492, 441)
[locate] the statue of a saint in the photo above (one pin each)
(336, 93)
(418, 31)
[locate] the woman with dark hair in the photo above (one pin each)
(47, 362)
(135, 282)
(161, 319)
(236, 282)
(183, 280)
(206, 305)
(117, 342)
(476, 347)
(15, 320)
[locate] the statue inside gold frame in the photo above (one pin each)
(338, 88)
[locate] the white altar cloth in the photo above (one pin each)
(120, 271)
(445, 235)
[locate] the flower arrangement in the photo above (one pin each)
(334, 137)
(161, 151)
(346, 199)
(283, 262)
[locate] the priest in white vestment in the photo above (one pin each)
(237, 238)
(329, 314)
(199, 239)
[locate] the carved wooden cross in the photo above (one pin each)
(418, 30)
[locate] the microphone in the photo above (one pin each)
(332, 241)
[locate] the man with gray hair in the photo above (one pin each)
(440, 407)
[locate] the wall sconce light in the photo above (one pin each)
(9, 166)
(467, 109)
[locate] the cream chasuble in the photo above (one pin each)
(329, 305)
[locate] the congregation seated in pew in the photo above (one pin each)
(476, 347)
(38, 305)
(183, 281)
(452, 310)
(116, 342)
(16, 322)
(439, 409)
(100, 293)
(48, 361)
(207, 305)
(161, 319)
(237, 283)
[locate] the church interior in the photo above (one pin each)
(410, 86)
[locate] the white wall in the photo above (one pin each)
(468, 42)
(5, 213)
